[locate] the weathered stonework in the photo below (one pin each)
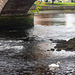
(2, 4)
(15, 6)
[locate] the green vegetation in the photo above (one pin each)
(38, 5)
(59, 3)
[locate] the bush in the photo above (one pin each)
(38, 5)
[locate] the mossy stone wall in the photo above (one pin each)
(16, 22)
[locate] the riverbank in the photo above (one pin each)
(55, 7)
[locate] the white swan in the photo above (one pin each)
(54, 66)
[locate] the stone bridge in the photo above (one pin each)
(15, 6)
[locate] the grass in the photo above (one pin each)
(60, 4)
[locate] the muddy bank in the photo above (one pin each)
(65, 45)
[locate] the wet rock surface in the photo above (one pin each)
(65, 45)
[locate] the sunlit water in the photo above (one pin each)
(21, 52)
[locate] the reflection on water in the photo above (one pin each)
(26, 52)
(54, 26)
(57, 26)
(55, 19)
(70, 20)
(43, 19)
(50, 19)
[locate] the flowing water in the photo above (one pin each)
(29, 52)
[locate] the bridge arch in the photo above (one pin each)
(15, 6)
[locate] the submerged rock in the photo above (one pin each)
(52, 49)
(48, 50)
(59, 41)
(73, 73)
(66, 45)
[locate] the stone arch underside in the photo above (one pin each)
(15, 6)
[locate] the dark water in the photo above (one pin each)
(28, 52)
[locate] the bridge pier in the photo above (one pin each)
(14, 14)
(16, 22)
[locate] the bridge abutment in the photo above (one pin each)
(18, 22)
(14, 14)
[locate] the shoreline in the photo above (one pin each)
(58, 11)
(55, 7)
(53, 11)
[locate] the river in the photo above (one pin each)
(29, 52)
